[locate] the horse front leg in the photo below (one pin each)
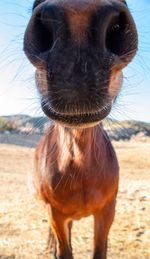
(61, 230)
(102, 223)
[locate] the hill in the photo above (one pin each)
(31, 128)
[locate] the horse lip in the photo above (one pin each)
(77, 112)
(76, 119)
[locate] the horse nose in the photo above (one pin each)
(110, 27)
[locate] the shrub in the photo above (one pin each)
(6, 125)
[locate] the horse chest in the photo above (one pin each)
(78, 193)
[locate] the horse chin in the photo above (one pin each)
(80, 126)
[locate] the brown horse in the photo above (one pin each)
(79, 48)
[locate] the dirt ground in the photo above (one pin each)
(24, 224)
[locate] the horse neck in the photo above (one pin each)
(79, 142)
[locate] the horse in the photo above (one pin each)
(79, 49)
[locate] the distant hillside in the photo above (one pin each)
(126, 130)
(37, 125)
(23, 123)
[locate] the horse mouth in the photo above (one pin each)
(77, 120)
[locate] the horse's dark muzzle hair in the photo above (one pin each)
(79, 49)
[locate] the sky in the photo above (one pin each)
(17, 88)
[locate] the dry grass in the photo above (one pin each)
(24, 225)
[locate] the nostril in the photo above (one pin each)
(121, 37)
(42, 34)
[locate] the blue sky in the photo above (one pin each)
(17, 88)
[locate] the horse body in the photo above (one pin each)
(76, 173)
